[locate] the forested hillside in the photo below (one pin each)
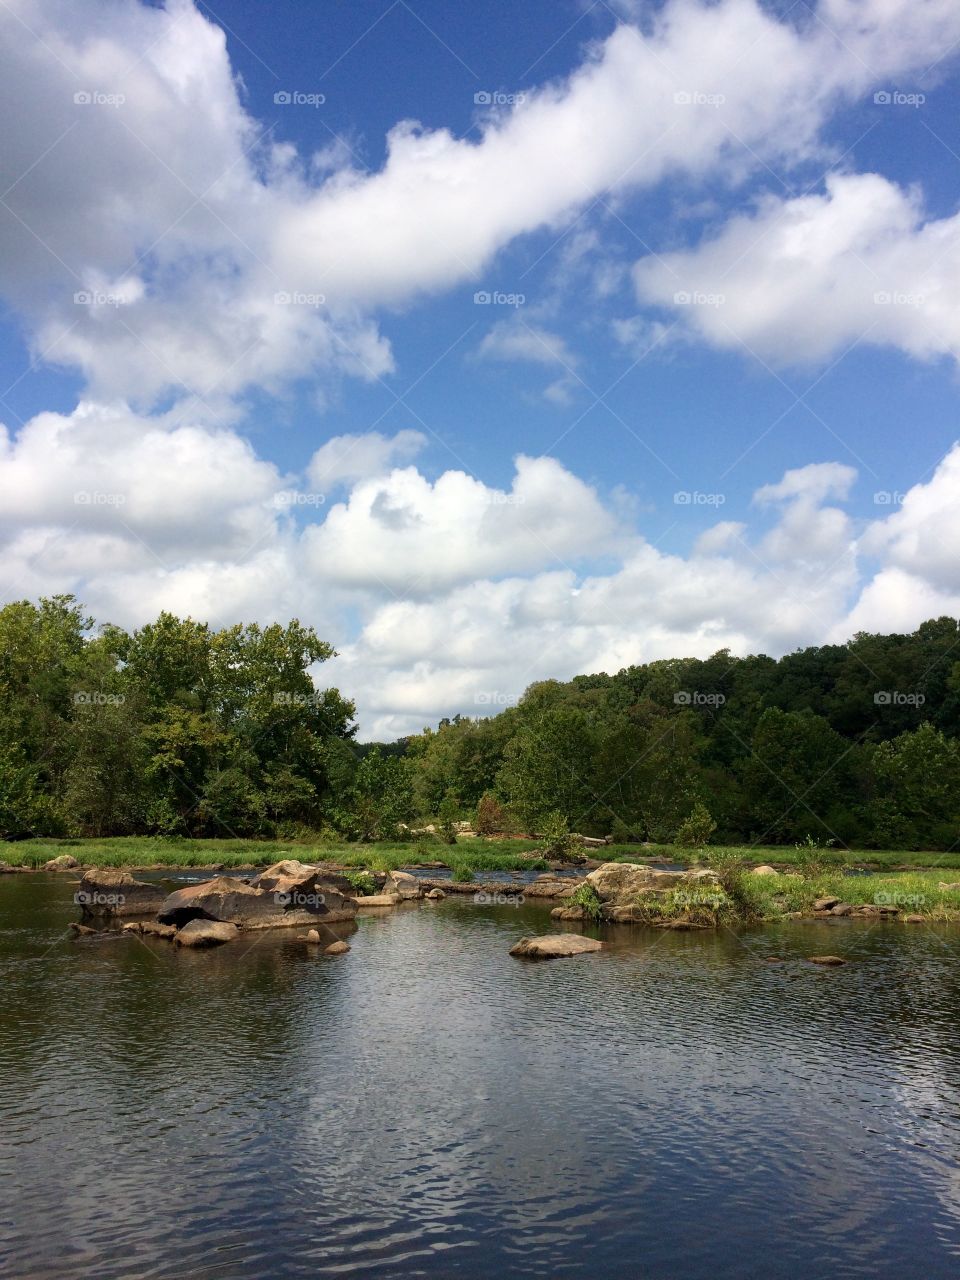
(179, 729)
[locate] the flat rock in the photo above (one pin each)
(842, 909)
(551, 946)
(826, 903)
(826, 960)
(379, 900)
(206, 933)
(150, 929)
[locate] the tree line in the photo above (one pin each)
(179, 729)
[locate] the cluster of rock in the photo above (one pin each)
(288, 894)
(619, 886)
(831, 906)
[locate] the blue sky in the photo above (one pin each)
(719, 242)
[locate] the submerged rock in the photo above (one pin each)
(552, 946)
(826, 960)
(206, 933)
(569, 913)
(435, 895)
(337, 948)
(111, 892)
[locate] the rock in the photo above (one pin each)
(568, 913)
(542, 887)
(681, 923)
(111, 892)
(150, 929)
(403, 884)
(913, 919)
(764, 870)
(551, 946)
(313, 936)
(826, 960)
(64, 863)
(826, 903)
(295, 878)
(81, 930)
(251, 907)
(336, 949)
(622, 882)
(773, 959)
(379, 900)
(627, 913)
(435, 895)
(206, 933)
(842, 909)
(953, 885)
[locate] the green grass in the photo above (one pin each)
(475, 854)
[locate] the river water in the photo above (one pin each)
(675, 1106)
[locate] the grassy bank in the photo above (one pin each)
(467, 854)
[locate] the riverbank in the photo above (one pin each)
(469, 855)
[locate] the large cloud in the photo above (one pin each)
(213, 261)
(805, 278)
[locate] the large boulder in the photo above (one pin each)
(403, 884)
(206, 933)
(249, 907)
(293, 877)
(112, 892)
(551, 946)
(622, 882)
(66, 862)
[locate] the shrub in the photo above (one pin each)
(558, 841)
(362, 882)
(696, 830)
(587, 897)
(491, 818)
(448, 814)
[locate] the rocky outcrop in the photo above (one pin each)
(64, 863)
(621, 883)
(115, 893)
(206, 933)
(552, 946)
(292, 900)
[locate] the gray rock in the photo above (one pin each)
(552, 946)
(206, 933)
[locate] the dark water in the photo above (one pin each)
(429, 1106)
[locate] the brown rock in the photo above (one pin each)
(826, 960)
(568, 913)
(378, 900)
(622, 882)
(313, 936)
(250, 907)
(551, 946)
(206, 933)
(435, 895)
(403, 884)
(111, 892)
(336, 949)
(913, 919)
(842, 909)
(765, 870)
(64, 863)
(826, 904)
(81, 930)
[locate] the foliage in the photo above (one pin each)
(558, 841)
(586, 896)
(449, 814)
(362, 882)
(697, 828)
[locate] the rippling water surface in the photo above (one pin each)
(676, 1106)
